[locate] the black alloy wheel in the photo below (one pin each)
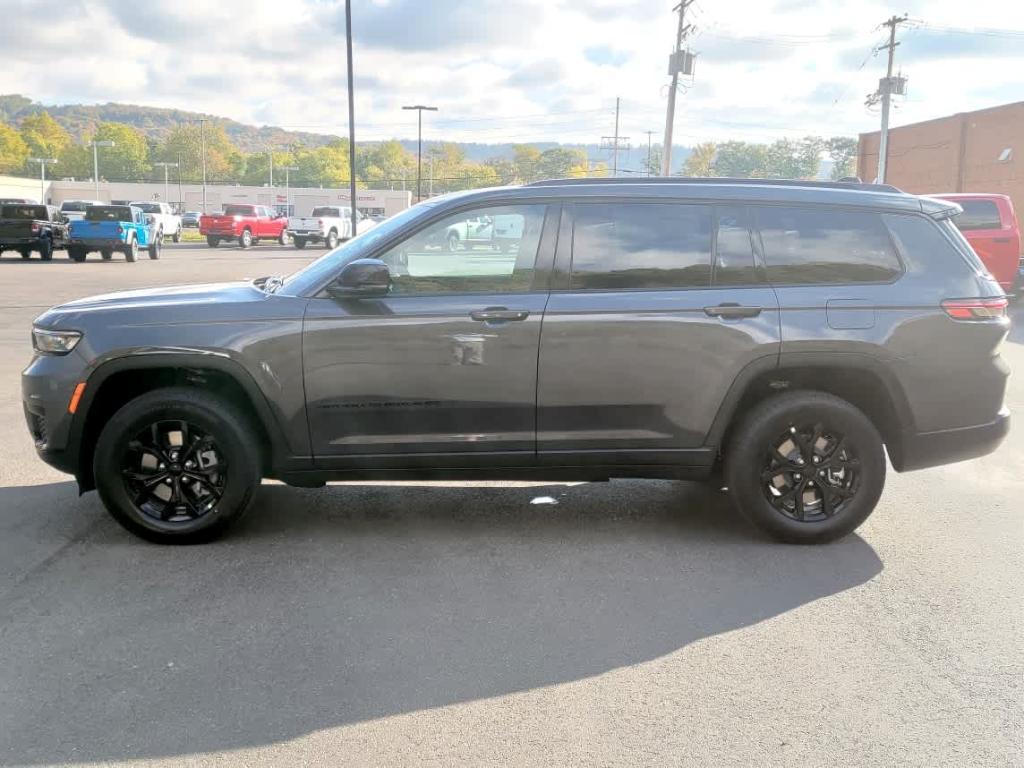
(174, 472)
(810, 473)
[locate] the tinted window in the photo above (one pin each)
(734, 254)
(924, 247)
(149, 207)
(24, 212)
(108, 213)
(488, 250)
(652, 246)
(820, 245)
(238, 210)
(978, 214)
(74, 206)
(327, 212)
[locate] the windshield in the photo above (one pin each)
(359, 247)
(74, 205)
(23, 212)
(108, 213)
(239, 210)
(148, 207)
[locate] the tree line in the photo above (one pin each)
(385, 164)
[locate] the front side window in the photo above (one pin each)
(653, 246)
(487, 250)
(823, 245)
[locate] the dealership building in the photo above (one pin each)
(966, 152)
(298, 201)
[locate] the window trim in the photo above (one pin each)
(543, 265)
(879, 212)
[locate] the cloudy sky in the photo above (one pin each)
(516, 70)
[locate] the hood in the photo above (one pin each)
(186, 298)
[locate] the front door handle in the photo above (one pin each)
(500, 314)
(731, 310)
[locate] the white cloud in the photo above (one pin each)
(508, 69)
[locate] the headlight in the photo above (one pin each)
(54, 342)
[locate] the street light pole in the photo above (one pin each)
(165, 166)
(96, 162)
(351, 120)
(43, 162)
(287, 188)
(202, 139)
(419, 147)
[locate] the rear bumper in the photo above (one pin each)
(18, 242)
(95, 243)
(309, 234)
(919, 450)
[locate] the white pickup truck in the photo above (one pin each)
(327, 224)
(167, 222)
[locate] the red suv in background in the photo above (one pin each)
(990, 226)
(248, 224)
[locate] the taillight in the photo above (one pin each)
(976, 309)
(319, 222)
(36, 226)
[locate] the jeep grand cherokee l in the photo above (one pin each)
(789, 333)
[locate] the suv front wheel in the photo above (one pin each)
(177, 465)
(806, 467)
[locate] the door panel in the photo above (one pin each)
(638, 375)
(427, 371)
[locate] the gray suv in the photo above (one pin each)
(781, 336)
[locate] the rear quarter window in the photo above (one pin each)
(826, 246)
(928, 245)
(978, 214)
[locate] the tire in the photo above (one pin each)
(245, 239)
(794, 505)
(282, 239)
(77, 254)
(453, 242)
(300, 242)
(155, 248)
(122, 465)
(131, 249)
(46, 249)
(212, 241)
(176, 237)
(331, 241)
(106, 254)
(25, 253)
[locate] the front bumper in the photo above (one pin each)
(919, 450)
(46, 388)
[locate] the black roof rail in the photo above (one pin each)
(715, 180)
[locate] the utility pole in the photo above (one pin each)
(43, 162)
(419, 149)
(270, 154)
(351, 119)
(614, 143)
(649, 134)
(165, 166)
(681, 61)
(287, 189)
(202, 138)
(431, 192)
(885, 90)
(96, 163)
(181, 200)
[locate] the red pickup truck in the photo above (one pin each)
(248, 224)
(990, 226)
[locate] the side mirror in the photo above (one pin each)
(362, 278)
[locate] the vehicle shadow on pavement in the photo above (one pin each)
(338, 605)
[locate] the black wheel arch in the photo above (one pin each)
(116, 381)
(860, 379)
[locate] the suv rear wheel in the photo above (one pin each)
(177, 466)
(245, 239)
(212, 241)
(131, 249)
(805, 467)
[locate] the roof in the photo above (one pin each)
(710, 190)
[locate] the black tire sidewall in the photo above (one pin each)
(299, 242)
(332, 240)
(245, 239)
(745, 460)
(131, 250)
(218, 418)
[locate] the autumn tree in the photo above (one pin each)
(44, 136)
(223, 160)
(701, 161)
(842, 151)
(13, 150)
(128, 159)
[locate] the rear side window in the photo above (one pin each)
(924, 246)
(641, 246)
(822, 245)
(978, 214)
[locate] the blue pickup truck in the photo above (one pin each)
(109, 228)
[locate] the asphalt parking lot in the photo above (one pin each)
(628, 623)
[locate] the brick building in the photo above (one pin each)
(980, 151)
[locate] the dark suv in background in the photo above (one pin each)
(787, 332)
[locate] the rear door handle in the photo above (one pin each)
(491, 314)
(731, 310)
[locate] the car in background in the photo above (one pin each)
(16, 201)
(245, 223)
(31, 227)
(75, 209)
(990, 225)
(168, 223)
(327, 224)
(190, 219)
(109, 228)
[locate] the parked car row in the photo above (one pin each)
(106, 229)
